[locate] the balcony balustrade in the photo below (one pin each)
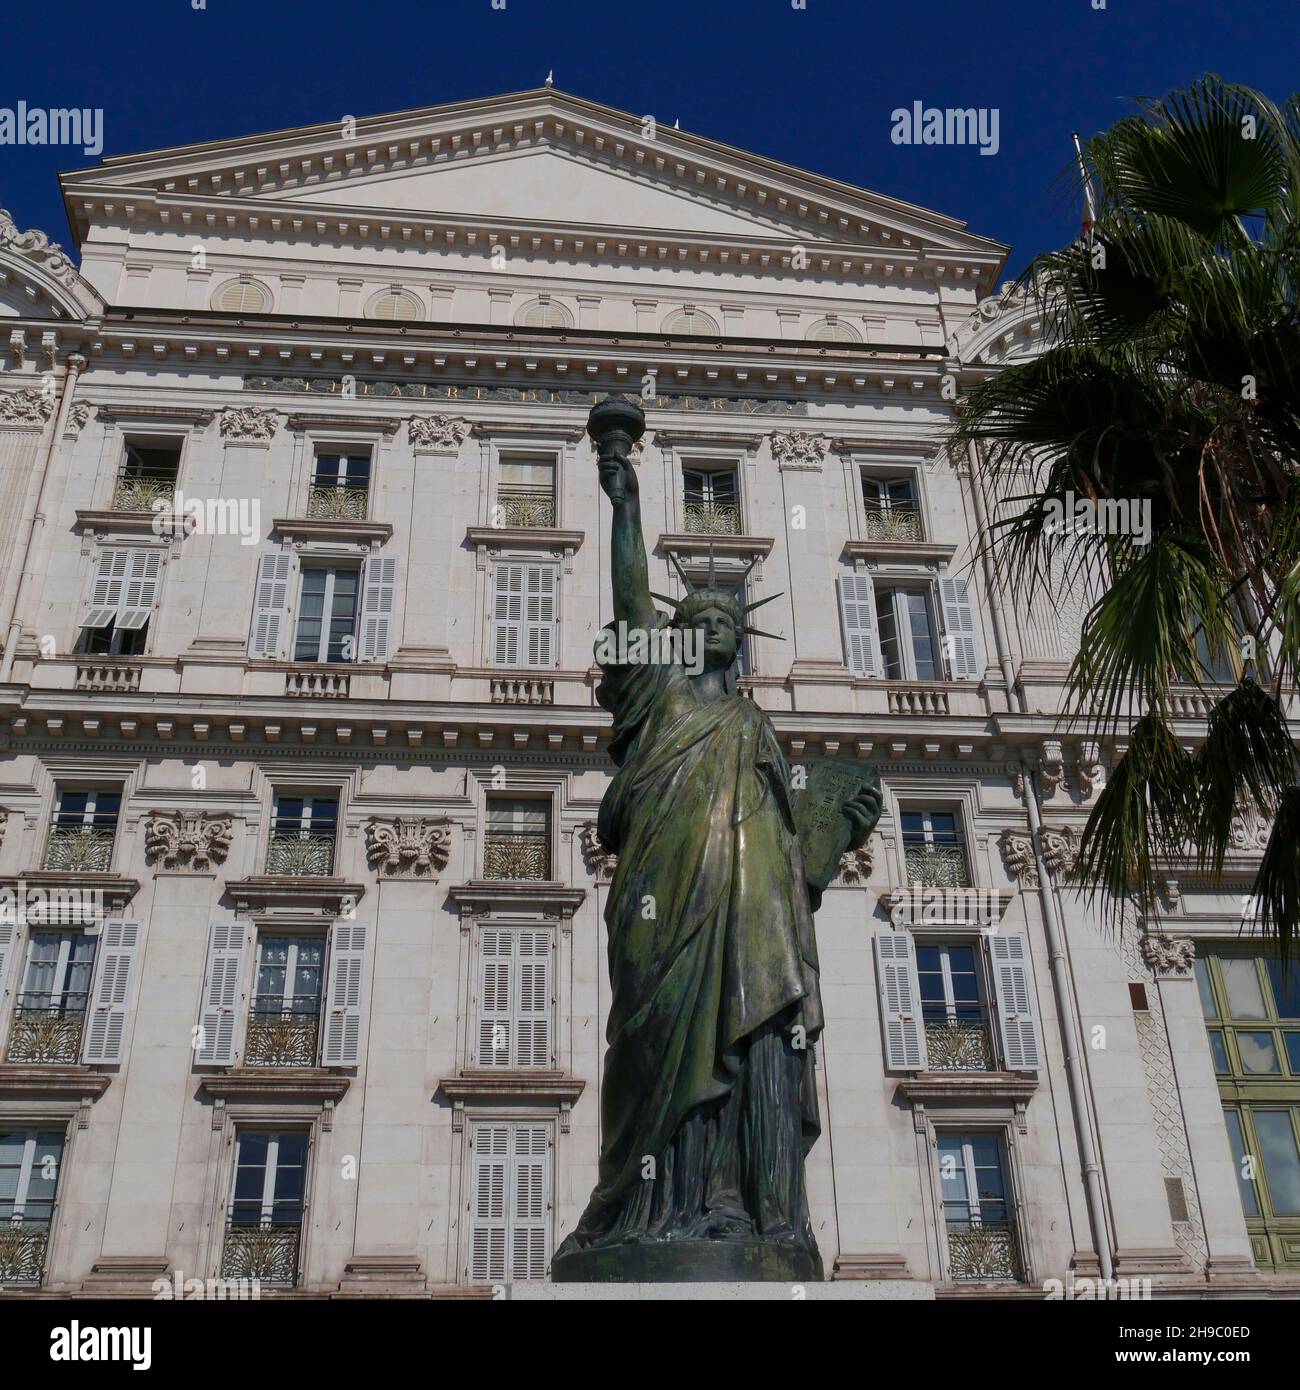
(300, 854)
(80, 848)
(45, 1031)
(517, 857)
(890, 524)
(23, 1245)
(937, 866)
(958, 1045)
(265, 1251)
(527, 509)
(338, 503)
(987, 1251)
(283, 1037)
(711, 518)
(140, 494)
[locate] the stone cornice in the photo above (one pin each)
(529, 537)
(922, 552)
(263, 892)
(380, 424)
(1012, 1087)
(316, 528)
(123, 413)
(115, 890)
(692, 544)
(280, 1084)
(75, 1084)
(529, 894)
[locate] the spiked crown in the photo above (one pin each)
(709, 595)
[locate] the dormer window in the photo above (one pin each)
(544, 312)
(396, 306)
(832, 329)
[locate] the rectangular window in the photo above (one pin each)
(510, 1235)
(265, 1210)
(892, 510)
(303, 832)
(31, 1161)
(124, 593)
(905, 621)
(50, 1010)
(147, 474)
(83, 829)
(284, 1015)
(514, 1001)
(711, 501)
(518, 840)
(340, 486)
(525, 492)
(524, 628)
(977, 1210)
(954, 1006)
(327, 615)
(934, 849)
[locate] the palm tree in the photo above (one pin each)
(1171, 377)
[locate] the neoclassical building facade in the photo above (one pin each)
(303, 555)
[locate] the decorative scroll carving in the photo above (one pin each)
(437, 432)
(249, 422)
(77, 417)
(856, 864)
(1060, 850)
(600, 860)
(1249, 830)
(39, 247)
(1169, 957)
(1051, 766)
(799, 449)
(1018, 856)
(1091, 774)
(25, 407)
(408, 846)
(188, 839)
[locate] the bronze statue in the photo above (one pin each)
(708, 1099)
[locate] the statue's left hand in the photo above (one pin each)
(863, 811)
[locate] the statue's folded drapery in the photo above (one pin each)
(713, 969)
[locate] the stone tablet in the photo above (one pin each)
(825, 832)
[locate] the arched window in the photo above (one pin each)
(543, 312)
(396, 305)
(242, 296)
(689, 320)
(833, 330)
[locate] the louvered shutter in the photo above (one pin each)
(271, 605)
(539, 616)
(900, 1001)
(496, 961)
(378, 608)
(487, 1225)
(532, 1026)
(8, 942)
(111, 992)
(1014, 990)
(221, 987)
(965, 659)
(858, 615)
(530, 1197)
(343, 1008)
(507, 613)
(106, 592)
(140, 591)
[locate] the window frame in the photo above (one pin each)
(893, 588)
(332, 568)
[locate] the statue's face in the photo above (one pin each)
(721, 641)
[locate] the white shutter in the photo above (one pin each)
(487, 1224)
(966, 663)
(858, 615)
(1015, 995)
(530, 1199)
(8, 942)
(507, 613)
(900, 1001)
(140, 591)
(343, 1007)
(271, 605)
(533, 999)
(378, 608)
(496, 959)
(539, 616)
(114, 967)
(106, 592)
(221, 988)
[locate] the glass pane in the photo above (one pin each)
(1241, 979)
(887, 632)
(952, 1179)
(1280, 1158)
(288, 812)
(923, 653)
(1293, 1051)
(516, 817)
(1219, 1051)
(72, 808)
(1285, 980)
(1245, 1185)
(1257, 1052)
(1208, 1007)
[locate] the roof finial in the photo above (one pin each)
(550, 77)
(677, 124)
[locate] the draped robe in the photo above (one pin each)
(713, 967)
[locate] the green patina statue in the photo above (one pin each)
(708, 1103)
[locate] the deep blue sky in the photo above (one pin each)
(813, 87)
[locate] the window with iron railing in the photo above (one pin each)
(263, 1235)
(50, 1010)
(82, 831)
(340, 487)
(525, 492)
(892, 512)
(147, 475)
(934, 849)
(711, 502)
(31, 1161)
(983, 1243)
(954, 1007)
(285, 1012)
(518, 840)
(303, 834)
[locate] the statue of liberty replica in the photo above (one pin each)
(708, 1103)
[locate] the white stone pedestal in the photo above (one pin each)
(839, 1291)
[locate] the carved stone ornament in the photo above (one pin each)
(188, 839)
(600, 861)
(1169, 957)
(799, 449)
(408, 846)
(1091, 773)
(856, 864)
(1249, 830)
(77, 417)
(25, 407)
(440, 432)
(1060, 849)
(1051, 767)
(39, 247)
(249, 422)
